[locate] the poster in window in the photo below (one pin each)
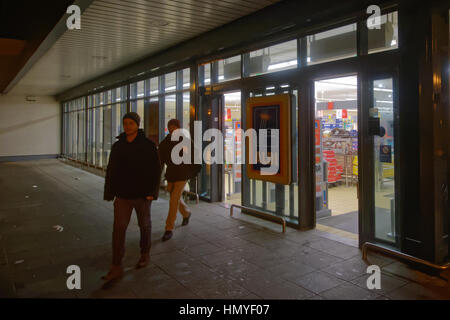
(270, 113)
(385, 153)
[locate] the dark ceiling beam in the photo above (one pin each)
(52, 25)
(275, 19)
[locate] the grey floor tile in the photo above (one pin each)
(291, 270)
(388, 283)
(348, 269)
(349, 291)
(318, 260)
(285, 291)
(318, 281)
(225, 289)
(201, 249)
(415, 291)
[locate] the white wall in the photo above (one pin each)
(29, 128)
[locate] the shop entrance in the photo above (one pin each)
(336, 154)
(232, 149)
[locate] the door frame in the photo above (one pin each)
(312, 117)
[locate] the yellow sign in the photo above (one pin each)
(271, 113)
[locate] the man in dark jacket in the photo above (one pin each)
(132, 178)
(177, 176)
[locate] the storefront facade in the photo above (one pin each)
(394, 77)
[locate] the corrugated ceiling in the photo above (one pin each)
(115, 33)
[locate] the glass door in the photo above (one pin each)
(210, 178)
(380, 161)
(383, 113)
(232, 169)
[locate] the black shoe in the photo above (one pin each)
(186, 220)
(167, 235)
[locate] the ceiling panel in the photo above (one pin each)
(115, 33)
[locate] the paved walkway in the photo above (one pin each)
(215, 256)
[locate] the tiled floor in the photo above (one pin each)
(215, 256)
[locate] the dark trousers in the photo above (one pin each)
(123, 209)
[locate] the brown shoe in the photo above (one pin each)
(186, 220)
(114, 273)
(143, 261)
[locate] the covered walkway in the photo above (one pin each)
(52, 215)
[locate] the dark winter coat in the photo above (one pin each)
(176, 172)
(134, 169)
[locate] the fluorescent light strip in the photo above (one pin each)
(283, 65)
(382, 101)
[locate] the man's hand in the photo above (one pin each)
(149, 197)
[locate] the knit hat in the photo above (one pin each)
(133, 116)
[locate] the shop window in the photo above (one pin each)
(229, 68)
(279, 57)
(331, 45)
(107, 134)
(107, 97)
(186, 110)
(101, 97)
(137, 90)
(385, 38)
(186, 78)
(154, 86)
(170, 82)
(170, 111)
(204, 75)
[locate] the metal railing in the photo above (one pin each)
(375, 247)
(260, 214)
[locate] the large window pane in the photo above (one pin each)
(107, 134)
(137, 90)
(186, 109)
(204, 75)
(118, 111)
(335, 44)
(140, 112)
(282, 56)
(229, 68)
(170, 82)
(91, 136)
(154, 86)
(384, 169)
(385, 38)
(186, 78)
(170, 111)
(98, 136)
(81, 136)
